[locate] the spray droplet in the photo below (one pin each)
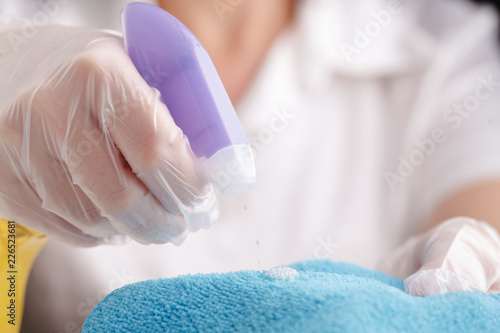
(245, 207)
(282, 273)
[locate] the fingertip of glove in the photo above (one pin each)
(436, 282)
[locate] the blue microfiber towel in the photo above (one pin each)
(324, 296)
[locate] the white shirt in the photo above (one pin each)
(345, 166)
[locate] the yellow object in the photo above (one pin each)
(19, 247)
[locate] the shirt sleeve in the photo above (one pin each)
(455, 138)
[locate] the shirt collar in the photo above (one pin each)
(360, 38)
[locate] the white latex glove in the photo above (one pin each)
(460, 254)
(88, 151)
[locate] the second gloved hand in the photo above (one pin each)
(460, 254)
(88, 151)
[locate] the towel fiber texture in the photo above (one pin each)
(325, 296)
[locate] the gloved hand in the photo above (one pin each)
(460, 254)
(88, 151)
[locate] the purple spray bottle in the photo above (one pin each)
(190, 87)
